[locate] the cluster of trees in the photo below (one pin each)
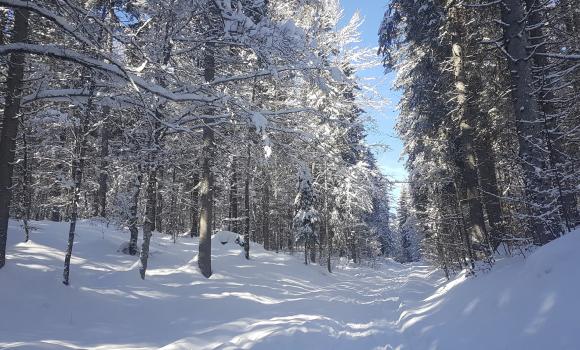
(490, 119)
(190, 116)
(408, 233)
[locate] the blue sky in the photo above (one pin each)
(389, 161)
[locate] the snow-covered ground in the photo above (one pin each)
(275, 302)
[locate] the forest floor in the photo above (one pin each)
(274, 301)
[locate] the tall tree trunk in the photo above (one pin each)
(159, 206)
(352, 244)
(9, 131)
(464, 115)
(172, 225)
(105, 130)
(133, 210)
(490, 191)
(234, 226)
(266, 213)
(103, 169)
(313, 251)
(194, 230)
(327, 220)
(247, 206)
(452, 193)
(206, 193)
(77, 176)
(530, 131)
(329, 238)
(78, 164)
(149, 222)
(26, 187)
(206, 204)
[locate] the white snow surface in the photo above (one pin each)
(274, 301)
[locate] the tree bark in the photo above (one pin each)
(159, 202)
(206, 204)
(327, 221)
(329, 249)
(172, 225)
(194, 229)
(233, 223)
(247, 207)
(103, 170)
(149, 222)
(266, 213)
(313, 251)
(490, 191)
(26, 187)
(78, 164)
(133, 210)
(206, 193)
(14, 83)
(452, 192)
(466, 160)
(77, 176)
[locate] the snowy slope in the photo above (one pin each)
(531, 303)
(274, 301)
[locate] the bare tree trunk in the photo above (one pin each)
(266, 213)
(247, 206)
(149, 222)
(320, 249)
(26, 187)
(466, 242)
(103, 170)
(78, 164)
(327, 221)
(466, 160)
(77, 175)
(206, 204)
(329, 249)
(159, 202)
(352, 245)
(206, 193)
(234, 226)
(172, 225)
(313, 251)
(490, 192)
(133, 210)
(194, 230)
(9, 131)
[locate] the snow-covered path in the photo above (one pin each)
(270, 302)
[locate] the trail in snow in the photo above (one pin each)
(270, 302)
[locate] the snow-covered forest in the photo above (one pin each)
(490, 120)
(192, 116)
(197, 174)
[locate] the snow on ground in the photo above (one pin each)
(273, 301)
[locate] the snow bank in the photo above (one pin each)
(523, 303)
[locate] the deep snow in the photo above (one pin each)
(273, 301)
